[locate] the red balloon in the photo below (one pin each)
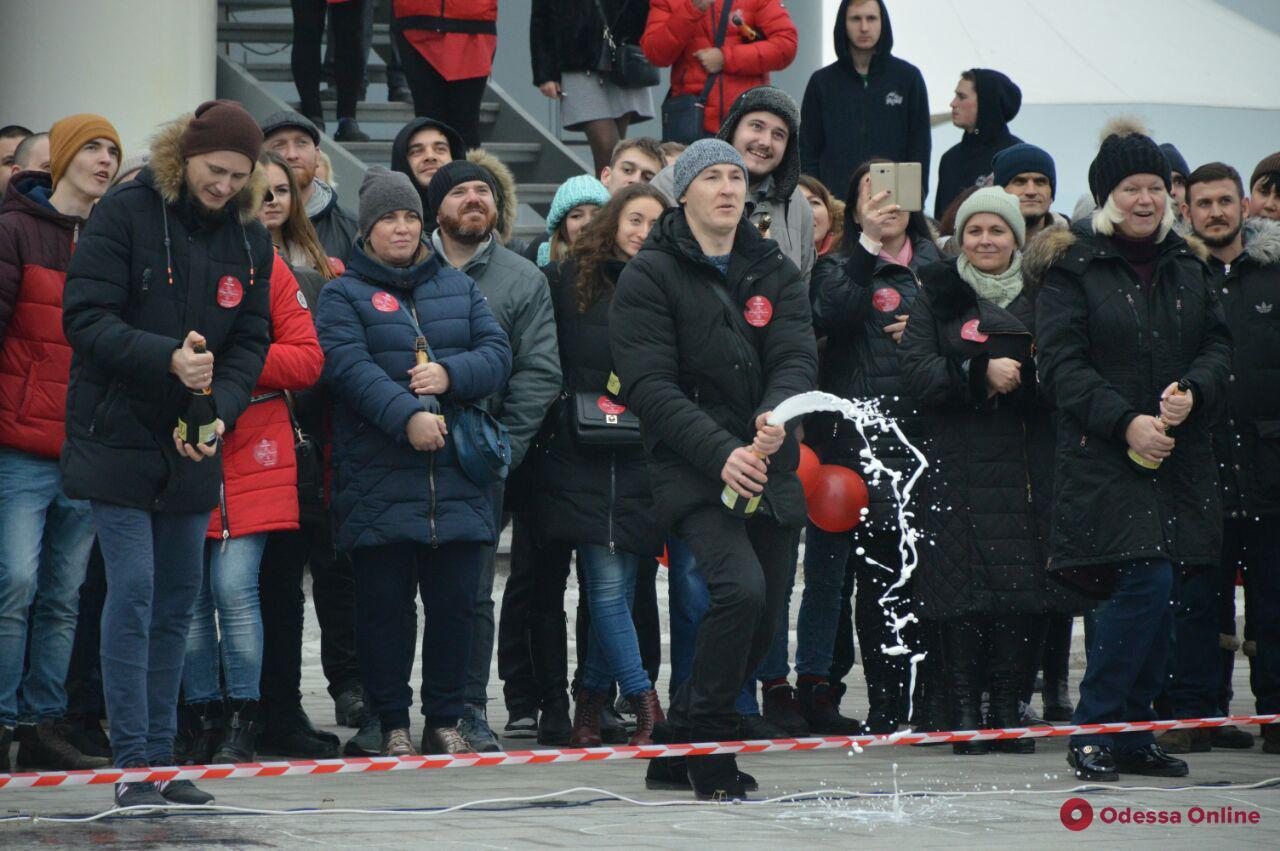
(838, 498)
(808, 470)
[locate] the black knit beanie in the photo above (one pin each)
(451, 174)
(1125, 151)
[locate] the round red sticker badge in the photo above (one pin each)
(759, 311)
(385, 302)
(970, 332)
(609, 406)
(267, 452)
(230, 291)
(886, 299)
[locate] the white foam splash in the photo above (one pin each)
(865, 414)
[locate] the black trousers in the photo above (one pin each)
(387, 580)
(84, 673)
(349, 52)
(746, 565)
(456, 103)
(532, 633)
(286, 556)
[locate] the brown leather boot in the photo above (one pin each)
(587, 706)
(648, 712)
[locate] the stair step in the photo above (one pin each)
(396, 113)
(249, 5)
(281, 72)
(536, 194)
(270, 32)
(511, 153)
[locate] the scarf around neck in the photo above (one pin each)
(1000, 289)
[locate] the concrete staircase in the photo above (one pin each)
(253, 67)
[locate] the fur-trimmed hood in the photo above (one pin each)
(1052, 244)
(168, 171)
(508, 201)
(1262, 241)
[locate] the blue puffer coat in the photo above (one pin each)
(385, 491)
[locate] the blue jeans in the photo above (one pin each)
(45, 540)
(688, 600)
(153, 565)
(1128, 647)
(1196, 661)
(229, 587)
(614, 651)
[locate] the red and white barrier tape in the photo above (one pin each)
(296, 768)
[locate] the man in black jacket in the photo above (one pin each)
(867, 103)
(296, 138)
(984, 104)
(710, 329)
(1245, 259)
(166, 297)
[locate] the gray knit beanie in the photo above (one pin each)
(993, 199)
(384, 192)
(699, 156)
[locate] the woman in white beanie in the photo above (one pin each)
(967, 363)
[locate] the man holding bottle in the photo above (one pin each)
(170, 264)
(710, 329)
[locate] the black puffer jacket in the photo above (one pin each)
(589, 495)
(856, 297)
(689, 373)
(1108, 347)
(985, 500)
(1246, 437)
(566, 35)
(124, 319)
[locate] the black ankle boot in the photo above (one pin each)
(240, 732)
(716, 777)
(1014, 649)
(199, 732)
(963, 642)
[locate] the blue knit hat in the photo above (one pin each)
(1177, 162)
(700, 156)
(574, 192)
(1023, 158)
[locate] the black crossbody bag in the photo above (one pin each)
(624, 64)
(682, 115)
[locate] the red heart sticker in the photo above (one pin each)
(230, 292)
(886, 299)
(970, 332)
(759, 311)
(609, 406)
(385, 302)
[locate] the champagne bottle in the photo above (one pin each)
(430, 403)
(739, 504)
(196, 424)
(1142, 465)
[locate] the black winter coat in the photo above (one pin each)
(689, 372)
(589, 495)
(986, 495)
(1246, 437)
(124, 320)
(567, 35)
(856, 297)
(1108, 347)
(968, 162)
(848, 120)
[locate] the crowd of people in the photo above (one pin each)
(214, 376)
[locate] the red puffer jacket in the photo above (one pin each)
(259, 469)
(36, 242)
(676, 30)
(458, 37)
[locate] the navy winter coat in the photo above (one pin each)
(385, 491)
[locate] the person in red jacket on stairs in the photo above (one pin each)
(680, 34)
(259, 495)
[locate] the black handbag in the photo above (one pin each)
(598, 421)
(625, 64)
(310, 459)
(682, 115)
